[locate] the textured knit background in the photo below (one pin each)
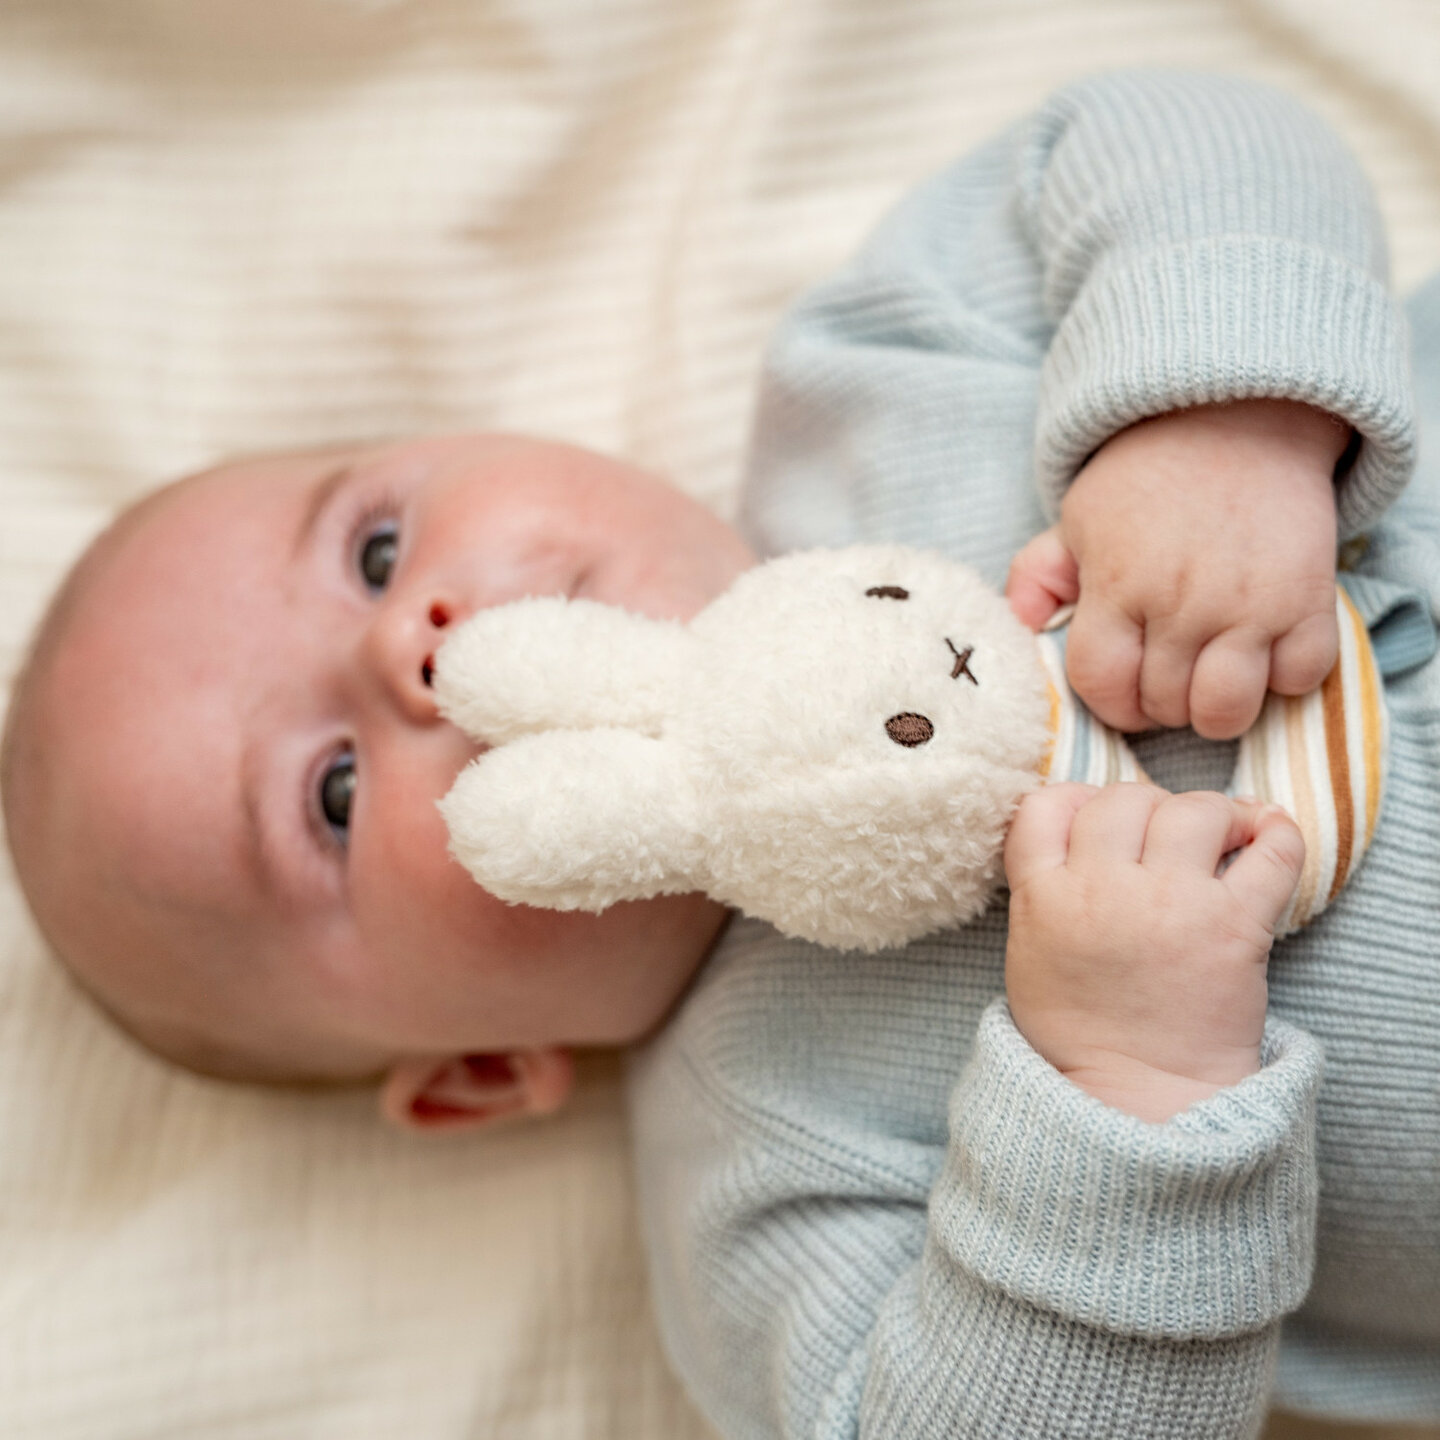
(231, 225)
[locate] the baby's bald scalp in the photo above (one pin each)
(25, 760)
(31, 760)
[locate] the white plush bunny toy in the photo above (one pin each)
(836, 745)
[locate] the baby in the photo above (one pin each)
(221, 763)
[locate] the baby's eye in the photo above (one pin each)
(377, 556)
(337, 794)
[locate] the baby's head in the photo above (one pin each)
(222, 762)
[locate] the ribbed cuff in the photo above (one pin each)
(1198, 1228)
(1231, 318)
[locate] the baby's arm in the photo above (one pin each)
(831, 1258)
(1191, 263)
(1202, 240)
(1200, 546)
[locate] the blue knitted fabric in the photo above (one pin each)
(870, 1207)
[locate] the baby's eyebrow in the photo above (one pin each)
(320, 496)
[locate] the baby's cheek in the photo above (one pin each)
(401, 871)
(402, 786)
(439, 895)
(419, 856)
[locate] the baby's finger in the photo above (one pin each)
(1165, 672)
(1111, 828)
(1228, 684)
(1039, 837)
(1043, 577)
(1196, 829)
(1265, 873)
(1302, 658)
(1103, 651)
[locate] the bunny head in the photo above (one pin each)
(835, 745)
(815, 660)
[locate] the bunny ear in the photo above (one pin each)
(576, 820)
(869, 857)
(552, 663)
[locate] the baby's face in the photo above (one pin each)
(253, 752)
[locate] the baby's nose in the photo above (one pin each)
(401, 641)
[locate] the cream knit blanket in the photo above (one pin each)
(231, 225)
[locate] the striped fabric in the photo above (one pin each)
(1321, 756)
(1085, 749)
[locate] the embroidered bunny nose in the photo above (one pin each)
(909, 729)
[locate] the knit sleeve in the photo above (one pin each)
(1146, 242)
(827, 1265)
(1204, 239)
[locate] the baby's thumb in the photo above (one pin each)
(1043, 577)
(1265, 873)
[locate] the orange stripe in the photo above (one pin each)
(1054, 730)
(1370, 716)
(1305, 815)
(1332, 704)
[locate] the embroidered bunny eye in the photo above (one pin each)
(909, 729)
(888, 592)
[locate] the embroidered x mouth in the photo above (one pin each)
(962, 662)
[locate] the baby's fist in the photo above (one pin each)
(1135, 965)
(1200, 547)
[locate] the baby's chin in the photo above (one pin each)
(686, 929)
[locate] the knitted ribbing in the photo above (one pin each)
(1196, 285)
(871, 1209)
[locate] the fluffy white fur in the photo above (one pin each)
(747, 754)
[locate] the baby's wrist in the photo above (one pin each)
(1150, 1068)
(1300, 428)
(1292, 422)
(1150, 1092)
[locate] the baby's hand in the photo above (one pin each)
(1200, 547)
(1133, 967)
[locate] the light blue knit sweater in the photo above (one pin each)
(870, 1208)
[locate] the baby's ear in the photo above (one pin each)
(465, 1091)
